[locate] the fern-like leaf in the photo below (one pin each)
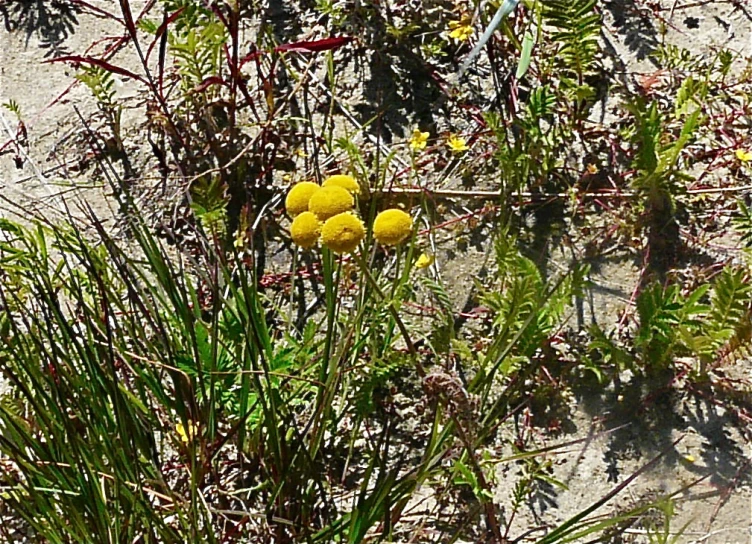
(439, 293)
(743, 223)
(730, 305)
(577, 26)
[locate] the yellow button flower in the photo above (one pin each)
(305, 230)
(330, 201)
(392, 226)
(346, 182)
(342, 233)
(418, 140)
(457, 144)
(299, 196)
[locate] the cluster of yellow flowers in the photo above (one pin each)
(325, 212)
(419, 140)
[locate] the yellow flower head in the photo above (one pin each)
(330, 201)
(346, 182)
(461, 30)
(424, 261)
(299, 196)
(418, 140)
(342, 233)
(305, 230)
(186, 435)
(743, 155)
(457, 144)
(392, 226)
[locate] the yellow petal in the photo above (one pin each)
(461, 30)
(418, 140)
(743, 155)
(457, 144)
(424, 261)
(186, 435)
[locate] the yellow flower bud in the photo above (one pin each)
(299, 196)
(346, 182)
(342, 233)
(330, 201)
(305, 230)
(392, 226)
(186, 435)
(424, 261)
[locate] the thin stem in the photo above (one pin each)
(395, 315)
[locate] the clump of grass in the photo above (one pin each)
(155, 401)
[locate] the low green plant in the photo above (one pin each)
(659, 175)
(706, 325)
(661, 533)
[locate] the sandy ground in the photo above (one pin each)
(47, 167)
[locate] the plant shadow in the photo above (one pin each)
(645, 419)
(51, 21)
(636, 25)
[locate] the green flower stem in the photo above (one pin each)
(392, 310)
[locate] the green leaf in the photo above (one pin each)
(528, 43)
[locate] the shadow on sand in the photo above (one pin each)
(51, 21)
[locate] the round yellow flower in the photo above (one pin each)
(330, 201)
(392, 226)
(305, 230)
(342, 233)
(299, 196)
(346, 182)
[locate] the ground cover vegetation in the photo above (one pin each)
(165, 385)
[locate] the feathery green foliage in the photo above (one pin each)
(576, 29)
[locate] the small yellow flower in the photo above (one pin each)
(457, 144)
(299, 196)
(330, 201)
(239, 242)
(592, 169)
(342, 233)
(346, 182)
(305, 230)
(461, 30)
(743, 155)
(689, 458)
(392, 226)
(186, 435)
(418, 140)
(424, 261)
